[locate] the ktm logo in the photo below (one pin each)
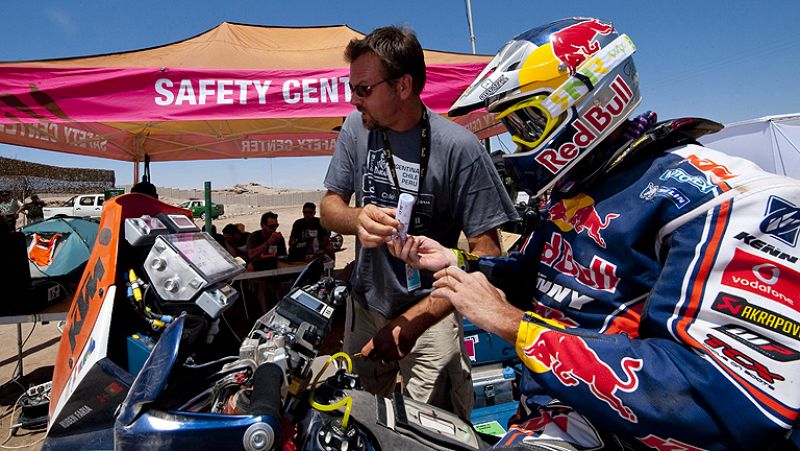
(706, 165)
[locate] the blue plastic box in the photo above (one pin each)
(483, 347)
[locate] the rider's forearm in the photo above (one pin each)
(337, 215)
(486, 244)
(426, 313)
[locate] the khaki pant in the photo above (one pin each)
(436, 371)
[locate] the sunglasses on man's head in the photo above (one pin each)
(365, 90)
(272, 226)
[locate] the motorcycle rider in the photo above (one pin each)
(655, 306)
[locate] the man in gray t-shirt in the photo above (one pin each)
(393, 144)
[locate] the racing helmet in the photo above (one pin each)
(560, 89)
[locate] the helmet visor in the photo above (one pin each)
(528, 122)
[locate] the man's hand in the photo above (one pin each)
(375, 225)
(478, 300)
(422, 252)
(274, 238)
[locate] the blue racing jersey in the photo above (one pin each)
(666, 307)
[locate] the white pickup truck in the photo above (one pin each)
(85, 205)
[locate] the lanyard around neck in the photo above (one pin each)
(424, 151)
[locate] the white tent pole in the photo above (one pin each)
(469, 21)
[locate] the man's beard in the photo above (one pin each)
(369, 122)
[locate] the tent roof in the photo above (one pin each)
(771, 142)
(773, 118)
(235, 91)
(242, 46)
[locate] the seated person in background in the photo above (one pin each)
(33, 209)
(263, 249)
(235, 241)
(308, 238)
(265, 246)
(217, 237)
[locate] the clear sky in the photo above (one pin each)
(727, 60)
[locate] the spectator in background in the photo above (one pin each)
(263, 249)
(33, 209)
(9, 209)
(235, 241)
(217, 237)
(308, 238)
(267, 243)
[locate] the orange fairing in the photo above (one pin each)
(99, 275)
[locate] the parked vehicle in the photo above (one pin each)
(198, 208)
(83, 205)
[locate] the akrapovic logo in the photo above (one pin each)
(738, 307)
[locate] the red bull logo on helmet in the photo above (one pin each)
(573, 44)
(579, 214)
(572, 361)
(592, 124)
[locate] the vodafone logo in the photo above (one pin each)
(769, 280)
(767, 273)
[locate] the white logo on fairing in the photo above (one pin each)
(773, 270)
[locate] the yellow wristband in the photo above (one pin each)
(461, 261)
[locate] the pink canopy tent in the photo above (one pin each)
(235, 91)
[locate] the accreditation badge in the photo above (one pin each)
(413, 279)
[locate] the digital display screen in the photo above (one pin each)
(309, 301)
(208, 257)
(182, 222)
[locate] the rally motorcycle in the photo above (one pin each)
(142, 362)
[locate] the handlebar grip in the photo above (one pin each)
(266, 396)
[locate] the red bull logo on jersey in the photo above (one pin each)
(592, 124)
(599, 275)
(573, 44)
(572, 361)
(579, 214)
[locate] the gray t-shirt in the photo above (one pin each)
(461, 191)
